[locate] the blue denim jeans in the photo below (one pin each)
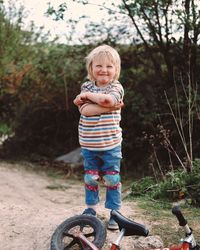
(103, 162)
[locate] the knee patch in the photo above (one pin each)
(112, 180)
(91, 180)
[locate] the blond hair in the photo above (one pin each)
(103, 51)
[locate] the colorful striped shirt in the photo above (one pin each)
(102, 132)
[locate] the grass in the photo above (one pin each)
(165, 224)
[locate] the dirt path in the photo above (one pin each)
(32, 205)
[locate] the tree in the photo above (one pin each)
(168, 32)
(170, 28)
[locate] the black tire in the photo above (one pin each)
(91, 227)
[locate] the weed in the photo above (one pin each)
(178, 184)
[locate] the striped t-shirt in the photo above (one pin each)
(101, 132)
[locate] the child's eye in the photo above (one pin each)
(109, 66)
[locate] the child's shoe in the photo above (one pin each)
(112, 224)
(90, 211)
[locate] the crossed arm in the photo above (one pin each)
(96, 103)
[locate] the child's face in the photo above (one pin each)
(103, 71)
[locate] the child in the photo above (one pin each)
(100, 135)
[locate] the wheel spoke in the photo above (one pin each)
(80, 245)
(72, 243)
(87, 235)
(68, 235)
(82, 227)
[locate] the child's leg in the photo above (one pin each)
(111, 176)
(113, 192)
(91, 187)
(91, 178)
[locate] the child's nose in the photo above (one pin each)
(103, 68)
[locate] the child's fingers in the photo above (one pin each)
(119, 105)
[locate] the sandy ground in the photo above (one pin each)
(32, 205)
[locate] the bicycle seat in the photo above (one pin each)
(131, 227)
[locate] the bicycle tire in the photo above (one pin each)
(62, 239)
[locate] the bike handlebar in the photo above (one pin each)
(177, 212)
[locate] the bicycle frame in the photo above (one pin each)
(86, 244)
(84, 241)
(128, 227)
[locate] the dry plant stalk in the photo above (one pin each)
(191, 97)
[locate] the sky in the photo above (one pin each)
(36, 9)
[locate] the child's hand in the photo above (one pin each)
(117, 106)
(80, 99)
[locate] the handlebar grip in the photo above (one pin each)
(177, 212)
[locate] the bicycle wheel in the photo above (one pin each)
(90, 226)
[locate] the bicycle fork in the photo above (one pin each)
(189, 237)
(188, 243)
(116, 243)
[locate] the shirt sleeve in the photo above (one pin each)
(117, 92)
(85, 87)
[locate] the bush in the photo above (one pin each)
(5, 129)
(43, 129)
(177, 185)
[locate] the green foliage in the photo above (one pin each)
(177, 184)
(19, 51)
(142, 186)
(43, 130)
(5, 129)
(58, 14)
